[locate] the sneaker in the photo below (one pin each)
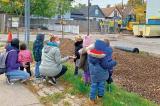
(9, 81)
(53, 80)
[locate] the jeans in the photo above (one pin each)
(37, 73)
(28, 69)
(63, 71)
(18, 74)
(100, 86)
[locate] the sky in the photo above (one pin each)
(101, 3)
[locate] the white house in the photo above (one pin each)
(112, 12)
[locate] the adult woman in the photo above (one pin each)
(13, 65)
(51, 64)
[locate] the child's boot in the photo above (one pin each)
(92, 102)
(76, 71)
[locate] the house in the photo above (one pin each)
(82, 14)
(94, 11)
(77, 15)
(112, 13)
(128, 10)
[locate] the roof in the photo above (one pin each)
(128, 10)
(108, 11)
(92, 11)
(77, 15)
(76, 12)
(120, 9)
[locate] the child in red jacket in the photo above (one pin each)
(25, 57)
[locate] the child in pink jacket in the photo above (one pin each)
(25, 57)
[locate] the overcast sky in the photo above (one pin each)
(101, 3)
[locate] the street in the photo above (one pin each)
(150, 45)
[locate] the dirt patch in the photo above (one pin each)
(138, 73)
(67, 47)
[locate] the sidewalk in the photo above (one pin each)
(16, 95)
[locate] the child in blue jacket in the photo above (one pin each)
(99, 67)
(37, 52)
(108, 51)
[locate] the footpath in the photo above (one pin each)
(16, 95)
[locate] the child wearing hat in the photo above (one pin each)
(78, 45)
(99, 69)
(87, 40)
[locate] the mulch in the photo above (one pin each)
(139, 73)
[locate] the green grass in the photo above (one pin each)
(118, 96)
(1, 45)
(55, 98)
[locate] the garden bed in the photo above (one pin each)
(135, 72)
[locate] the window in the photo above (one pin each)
(96, 12)
(115, 13)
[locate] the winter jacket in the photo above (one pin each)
(99, 64)
(83, 62)
(78, 46)
(107, 62)
(25, 56)
(97, 72)
(12, 60)
(51, 64)
(37, 47)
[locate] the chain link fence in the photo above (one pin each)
(16, 24)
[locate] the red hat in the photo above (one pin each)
(96, 53)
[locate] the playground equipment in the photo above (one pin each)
(152, 26)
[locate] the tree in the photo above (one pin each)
(135, 2)
(139, 8)
(79, 6)
(12, 6)
(46, 8)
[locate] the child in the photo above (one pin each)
(25, 57)
(83, 59)
(37, 52)
(78, 45)
(8, 44)
(109, 52)
(98, 65)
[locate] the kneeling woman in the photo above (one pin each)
(51, 64)
(12, 64)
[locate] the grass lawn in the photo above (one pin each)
(118, 96)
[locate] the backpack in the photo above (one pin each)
(3, 58)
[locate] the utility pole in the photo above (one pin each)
(122, 9)
(89, 4)
(27, 22)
